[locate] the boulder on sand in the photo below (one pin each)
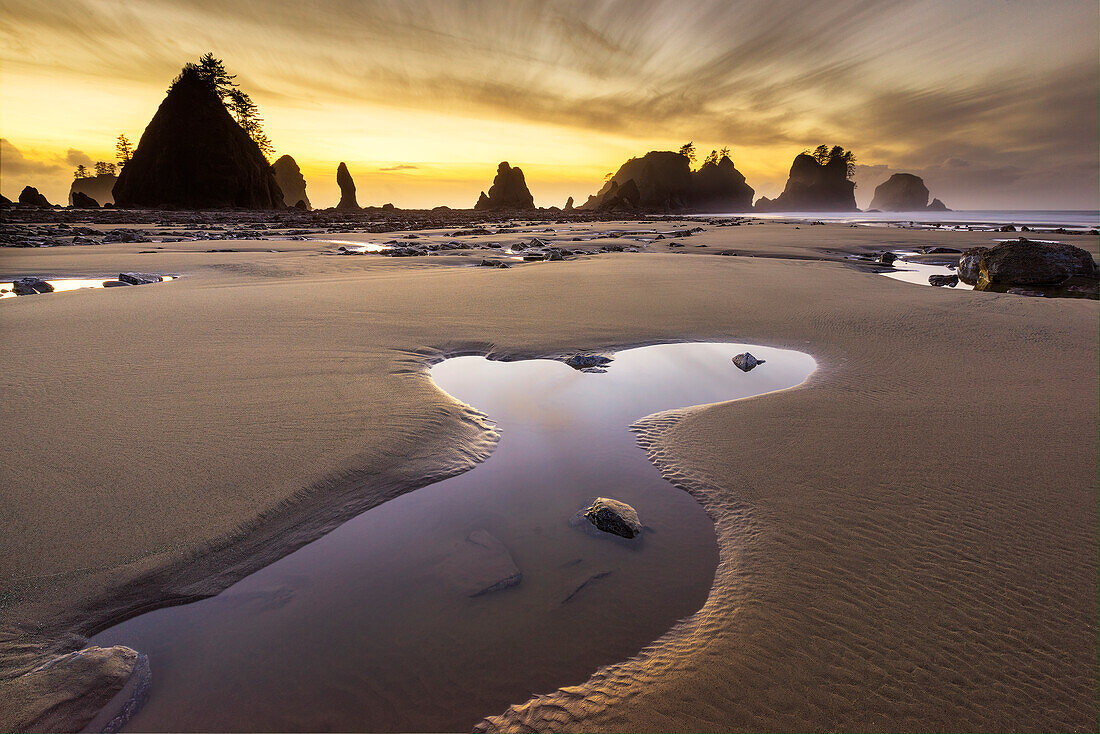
(194, 155)
(347, 188)
(30, 286)
(1023, 262)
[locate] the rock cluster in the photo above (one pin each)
(662, 181)
(509, 191)
(80, 200)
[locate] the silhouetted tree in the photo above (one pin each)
(608, 176)
(724, 153)
(247, 115)
(687, 150)
(103, 168)
(81, 172)
(712, 157)
(123, 151)
(211, 70)
(825, 155)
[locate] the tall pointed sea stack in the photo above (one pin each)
(291, 182)
(193, 155)
(347, 188)
(509, 191)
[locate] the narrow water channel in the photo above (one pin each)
(378, 625)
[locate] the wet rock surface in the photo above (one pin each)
(1031, 268)
(949, 281)
(746, 361)
(614, 517)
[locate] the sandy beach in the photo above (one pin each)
(907, 541)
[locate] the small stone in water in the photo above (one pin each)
(746, 361)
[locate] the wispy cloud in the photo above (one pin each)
(400, 167)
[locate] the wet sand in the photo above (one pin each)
(908, 541)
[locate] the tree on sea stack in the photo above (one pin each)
(123, 150)
(194, 155)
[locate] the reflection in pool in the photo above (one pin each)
(69, 284)
(915, 272)
(377, 626)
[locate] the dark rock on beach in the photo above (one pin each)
(139, 278)
(612, 516)
(30, 286)
(949, 281)
(97, 187)
(194, 155)
(1023, 262)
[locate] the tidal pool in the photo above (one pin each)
(68, 284)
(914, 272)
(375, 626)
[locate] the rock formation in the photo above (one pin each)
(29, 196)
(662, 181)
(659, 181)
(904, 192)
(718, 187)
(193, 155)
(814, 186)
(5, 201)
(97, 187)
(80, 200)
(568, 205)
(1048, 268)
(509, 191)
(347, 188)
(291, 182)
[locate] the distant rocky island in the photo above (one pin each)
(195, 154)
(904, 192)
(818, 182)
(509, 191)
(662, 181)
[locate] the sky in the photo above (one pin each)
(993, 102)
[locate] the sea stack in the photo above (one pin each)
(718, 187)
(814, 186)
(193, 155)
(291, 182)
(662, 181)
(509, 191)
(904, 192)
(30, 196)
(347, 188)
(97, 187)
